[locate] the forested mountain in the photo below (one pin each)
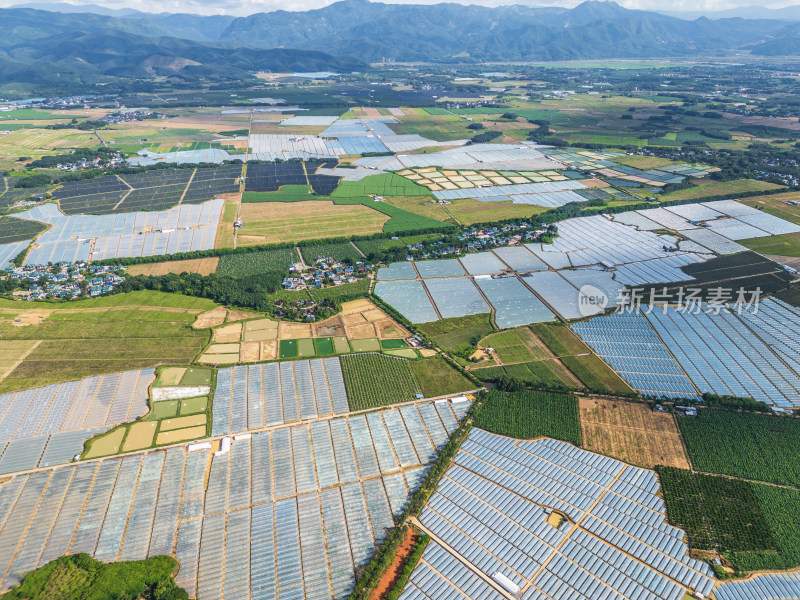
(87, 47)
(372, 30)
(46, 47)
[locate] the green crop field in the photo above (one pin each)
(377, 380)
(596, 375)
(528, 414)
(716, 512)
(439, 127)
(144, 298)
(782, 245)
(515, 346)
(81, 576)
(18, 230)
(438, 378)
(336, 250)
(254, 263)
(710, 189)
(72, 345)
(400, 221)
(458, 332)
(287, 193)
(752, 523)
(780, 507)
(375, 245)
(288, 348)
(548, 374)
(342, 293)
(323, 346)
(386, 184)
(30, 114)
(759, 447)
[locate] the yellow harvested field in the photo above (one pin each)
(222, 349)
(273, 222)
(260, 335)
(357, 306)
(211, 318)
(293, 331)
(249, 351)
(269, 350)
(106, 444)
(261, 325)
(203, 266)
(241, 315)
(632, 432)
(182, 422)
(361, 331)
(180, 435)
(219, 359)
(375, 314)
(140, 436)
(390, 329)
(228, 333)
(172, 375)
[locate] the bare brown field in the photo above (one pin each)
(632, 432)
(241, 315)
(594, 183)
(211, 318)
(781, 122)
(643, 162)
(208, 121)
(228, 334)
(203, 266)
(258, 339)
(272, 222)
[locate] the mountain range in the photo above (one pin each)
(344, 36)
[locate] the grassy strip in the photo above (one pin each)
(459, 335)
(439, 377)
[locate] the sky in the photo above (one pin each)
(246, 7)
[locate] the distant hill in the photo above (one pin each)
(785, 41)
(88, 47)
(372, 30)
(66, 7)
(788, 13)
(45, 47)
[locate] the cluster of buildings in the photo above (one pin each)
(326, 272)
(98, 162)
(131, 115)
(479, 239)
(66, 281)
